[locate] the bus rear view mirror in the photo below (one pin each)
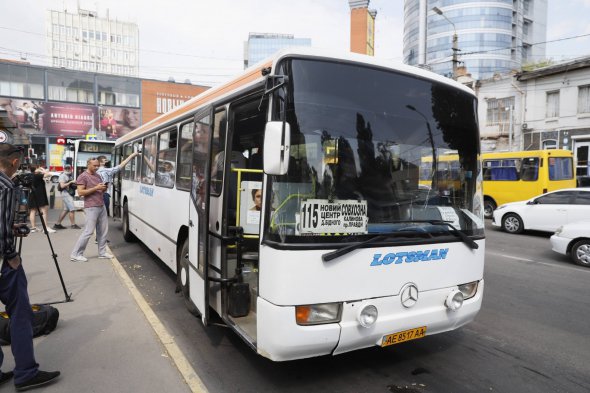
(277, 139)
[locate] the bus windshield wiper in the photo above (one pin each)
(454, 231)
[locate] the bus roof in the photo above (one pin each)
(253, 75)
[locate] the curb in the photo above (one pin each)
(190, 376)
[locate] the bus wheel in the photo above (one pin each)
(512, 223)
(488, 208)
(183, 278)
(581, 252)
(127, 234)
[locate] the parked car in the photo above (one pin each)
(573, 239)
(545, 212)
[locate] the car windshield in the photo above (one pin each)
(360, 137)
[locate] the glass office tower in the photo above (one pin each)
(494, 36)
(262, 45)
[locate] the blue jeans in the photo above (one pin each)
(96, 218)
(14, 295)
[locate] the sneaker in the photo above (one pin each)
(42, 378)
(34, 229)
(49, 230)
(79, 258)
(106, 256)
(75, 227)
(7, 376)
(58, 226)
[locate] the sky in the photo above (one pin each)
(203, 41)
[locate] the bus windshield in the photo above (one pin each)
(360, 137)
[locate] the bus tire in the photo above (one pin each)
(488, 207)
(512, 223)
(127, 234)
(183, 278)
(581, 252)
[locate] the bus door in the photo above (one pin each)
(197, 273)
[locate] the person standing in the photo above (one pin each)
(40, 196)
(67, 197)
(91, 187)
(13, 284)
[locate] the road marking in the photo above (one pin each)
(190, 376)
(571, 267)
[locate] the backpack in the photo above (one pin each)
(44, 322)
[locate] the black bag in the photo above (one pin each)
(44, 322)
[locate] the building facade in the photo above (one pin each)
(547, 108)
(262, 45)
(86, 42)
(39, 105)
(494, 36)
(362, 27)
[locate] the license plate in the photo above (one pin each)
(406, 335)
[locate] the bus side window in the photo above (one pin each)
(530, 169)
(185, 158)
(166, 164)
(149, 158)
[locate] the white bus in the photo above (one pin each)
(83, 150)
(288, 202)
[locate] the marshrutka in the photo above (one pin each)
(291, 202)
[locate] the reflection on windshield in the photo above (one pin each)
(366, 148)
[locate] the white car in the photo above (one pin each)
(573, 239)
(545, 212)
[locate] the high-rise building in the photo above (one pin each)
(494, 36)
(84, 41)
(362, 27)
(262, 45)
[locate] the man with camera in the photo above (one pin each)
(13, 282)
(67, 186)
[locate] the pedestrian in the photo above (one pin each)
(38, 197)
(13, 284)
(91, 187)
(67, 185)
(107, 174)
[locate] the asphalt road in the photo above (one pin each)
(531, 335)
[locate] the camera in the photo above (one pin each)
(24, 179)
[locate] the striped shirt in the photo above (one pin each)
(7, 211)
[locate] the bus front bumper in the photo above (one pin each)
(280, 338)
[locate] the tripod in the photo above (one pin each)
(68, 297)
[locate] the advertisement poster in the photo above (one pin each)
(116, 122)
(56, 153)
(34, 117)
(68, 119)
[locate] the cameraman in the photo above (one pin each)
(13, 283)
(66, 184)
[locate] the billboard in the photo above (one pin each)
(116, 122)
(33, 117)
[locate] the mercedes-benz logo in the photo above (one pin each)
(409, 295)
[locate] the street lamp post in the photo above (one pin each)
(455, 41)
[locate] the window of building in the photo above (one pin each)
(499, 111)
(584, 99)
(552, 104)
(71, 86)
(21, 81)
(549, 144)
(118, 91)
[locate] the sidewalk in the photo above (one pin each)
(103, 341)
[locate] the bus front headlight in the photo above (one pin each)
(316, 314)
(468, 290)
